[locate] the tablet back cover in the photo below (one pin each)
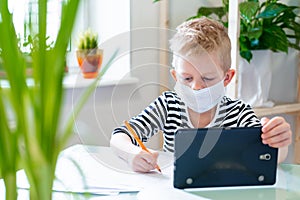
(216, 157)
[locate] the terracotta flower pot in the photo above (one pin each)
(90, 61)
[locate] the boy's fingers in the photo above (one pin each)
(147, 165)
(271, 123)
(155, 155)
(150, 158)
(141, 164)
(142, 167)
(281, 128)
(280, 143)
(264, 121)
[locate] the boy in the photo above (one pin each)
(201, 69)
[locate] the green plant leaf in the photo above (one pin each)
(213, 12)
(272, 10)
(207, 11)
(88, 40)
(226, 5)
(243, 41)
(274, 38)
(288, 16)
(252, 33)
(248, 10)
(246, 55)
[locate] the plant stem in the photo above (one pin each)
(10, 181)
(43, 182)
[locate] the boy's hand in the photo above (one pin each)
(144, 161)
(276, 132)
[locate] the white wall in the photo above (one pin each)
(110, 105)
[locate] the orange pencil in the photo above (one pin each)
(138, 140)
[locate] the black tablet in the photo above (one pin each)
(216, 157)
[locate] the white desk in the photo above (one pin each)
(107, 177)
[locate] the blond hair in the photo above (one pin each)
(200, 35)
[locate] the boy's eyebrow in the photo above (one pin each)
(202, 74)
(184, 73)
(209, 74)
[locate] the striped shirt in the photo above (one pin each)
(169, 113)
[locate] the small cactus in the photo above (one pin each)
(88, 40)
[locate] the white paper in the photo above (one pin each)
(100, 171)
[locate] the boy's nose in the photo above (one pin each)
(198, 85)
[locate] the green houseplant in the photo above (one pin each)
(89, 56)
(30, 44)
(27, 55)
(263, 25)
(32, 132)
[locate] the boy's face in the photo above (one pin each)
(200, 72)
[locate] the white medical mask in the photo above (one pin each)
(202, 100)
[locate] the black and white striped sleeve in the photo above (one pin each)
(149, 121)
(247, 117)
(239, 114)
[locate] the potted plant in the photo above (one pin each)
(89, 56)
(263, 25)
(32, 129)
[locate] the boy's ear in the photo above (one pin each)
(228, 76)
(173, 73)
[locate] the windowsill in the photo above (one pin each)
(278, 109)
(75, 80)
